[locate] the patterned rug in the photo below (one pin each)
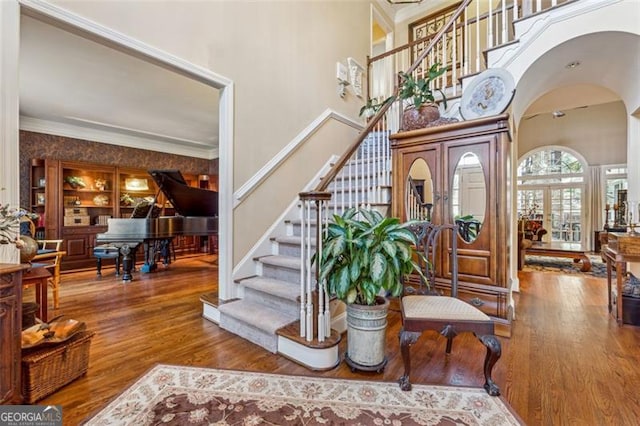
(175, 395)
(565, 266)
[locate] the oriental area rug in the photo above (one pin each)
(565, 266)
(172, 395)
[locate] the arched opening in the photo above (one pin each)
(551, 198)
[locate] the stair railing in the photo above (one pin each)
(364, 169)
(484, 24)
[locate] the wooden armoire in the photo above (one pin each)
(465, 170)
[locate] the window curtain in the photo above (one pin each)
(596, 209)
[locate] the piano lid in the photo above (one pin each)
(187, 200)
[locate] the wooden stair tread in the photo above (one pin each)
(292, 332)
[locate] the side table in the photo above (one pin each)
(40, 278)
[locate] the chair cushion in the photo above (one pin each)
(45, 251)
(440, 308)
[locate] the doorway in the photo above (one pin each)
(108, 38)
(551, 195)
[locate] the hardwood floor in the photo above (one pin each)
(566, 363)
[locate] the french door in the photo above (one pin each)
(559, 209)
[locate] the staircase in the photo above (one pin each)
(268, 313)
(280, 300)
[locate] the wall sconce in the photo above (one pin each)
(356, 76)
(343, 78)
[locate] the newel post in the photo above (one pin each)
(314, 302)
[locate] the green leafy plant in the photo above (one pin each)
(364, 253)
(469, 226)
(418, 92)
(370, 108)
(75, 181)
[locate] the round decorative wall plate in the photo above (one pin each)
(490, 93)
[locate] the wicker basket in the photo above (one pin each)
(47, 369)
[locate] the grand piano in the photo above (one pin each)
(196, 215)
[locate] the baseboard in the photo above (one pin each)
(211, 313)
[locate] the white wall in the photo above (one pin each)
(598, 132)
(281, 56)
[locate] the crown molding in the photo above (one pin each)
(91, 134)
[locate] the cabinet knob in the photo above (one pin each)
(476, 302)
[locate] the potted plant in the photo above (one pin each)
(364, 257)
(420, 107)
(370, 108)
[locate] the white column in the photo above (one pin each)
(633, 170)
(9, 115)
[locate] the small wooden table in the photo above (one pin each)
(573, 251)
(621, 248)
(40, 278)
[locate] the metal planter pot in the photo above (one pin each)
(366, 336)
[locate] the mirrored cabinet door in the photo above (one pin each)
(418, 197)
(468, 204)
(468, 197)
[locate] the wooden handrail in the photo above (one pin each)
(333, 172)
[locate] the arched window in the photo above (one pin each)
(550, 165)
(551, 195)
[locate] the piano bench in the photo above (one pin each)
(107, 251)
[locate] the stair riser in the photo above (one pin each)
(252, 334)
(293, 250)
(288, 307)
(279, 273)
(295, 229)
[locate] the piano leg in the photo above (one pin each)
(127, 265)
(165, 251)
(149, 256)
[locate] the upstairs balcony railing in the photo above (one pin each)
(483, 25)
(361, 177)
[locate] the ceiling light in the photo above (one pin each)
(558, 114)
(572, 65)
(404, 1)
